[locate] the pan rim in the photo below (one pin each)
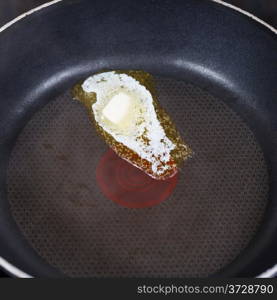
(228, 5)
(246, 13)
(12, 269)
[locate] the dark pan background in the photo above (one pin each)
(264, 9)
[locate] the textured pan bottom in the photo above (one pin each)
(209, 218)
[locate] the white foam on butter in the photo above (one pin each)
(109, 84)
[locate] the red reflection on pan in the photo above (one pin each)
(129, 186)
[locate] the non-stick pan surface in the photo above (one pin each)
(204, 45)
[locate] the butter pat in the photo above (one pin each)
(117, 108)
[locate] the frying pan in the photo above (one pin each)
(226, 53)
